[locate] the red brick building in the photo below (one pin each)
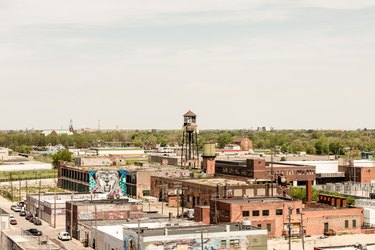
(200, 191)
(244, 143)
(272, 213)
(269, 213)
(259, 169)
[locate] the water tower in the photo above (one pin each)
(189, 151)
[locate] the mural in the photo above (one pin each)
(108, 182)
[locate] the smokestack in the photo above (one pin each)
(308, 191)
(170, 216)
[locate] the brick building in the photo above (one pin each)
(244, 143)
(362, 171)
(259, 169)
(136, 178)
(99, 210)
(271, 213)
(193, 192)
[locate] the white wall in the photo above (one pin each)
(23, 167)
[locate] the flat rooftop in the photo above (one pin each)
(254, 200)
(196, 229)
(215, 181)
(106, 201)
(351, 247)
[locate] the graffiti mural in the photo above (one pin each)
(108, 182)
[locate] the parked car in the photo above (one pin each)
(28, 216)
(15, 208)
(21, 204)
(37, 222)
(23, 213)
(34, 232)
(63, 236)
(12, 221)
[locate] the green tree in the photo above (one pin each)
(63, 155)
(224, 139)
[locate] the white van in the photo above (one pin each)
(63, 236)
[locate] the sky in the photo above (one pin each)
(237, 64)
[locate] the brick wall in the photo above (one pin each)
(314, 220)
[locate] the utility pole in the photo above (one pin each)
(40, 184)
(302, 233)
(11, 185)
(272, 173)
(71, 216)
(1, 228)
(139, 233)
(96, 225)
(19, 189)
(202, 245)
(290, 228)
(54, 210)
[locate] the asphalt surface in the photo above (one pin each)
(23, 224)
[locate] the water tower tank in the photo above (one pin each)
(209, 149)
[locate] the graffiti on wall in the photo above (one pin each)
(108, 182)
(195, 244)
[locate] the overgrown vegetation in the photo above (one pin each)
(27, 175)
(300, 194)
(63, 155)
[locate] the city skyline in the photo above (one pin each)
(239, 64)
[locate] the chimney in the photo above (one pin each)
(227, 228)
(165, 231)
(308, 191)
(170, 216)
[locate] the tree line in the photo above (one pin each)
(320, 142)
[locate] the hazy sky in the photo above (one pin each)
(143, 64)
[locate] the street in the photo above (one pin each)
(23, 224)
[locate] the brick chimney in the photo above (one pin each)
(308, 191)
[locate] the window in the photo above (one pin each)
(266, 212)
(259, 225)
(279, 212)
(235, 243)
(226, 213)
(269, 227)
(255, 212)
(245, 213)
(298, 211)
(354, 223)
(223, 244)
(346, 223)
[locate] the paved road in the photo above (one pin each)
(23, 224)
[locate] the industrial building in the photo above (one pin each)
(259, 169)
(99, 210)
(199, 191)
(272, 213)
(123, 151)
(55, 204)
(176, 234)
(135, 180)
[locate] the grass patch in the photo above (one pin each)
(27, 175)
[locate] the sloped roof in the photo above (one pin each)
(189, 113)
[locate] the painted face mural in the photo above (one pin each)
(108, 182)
